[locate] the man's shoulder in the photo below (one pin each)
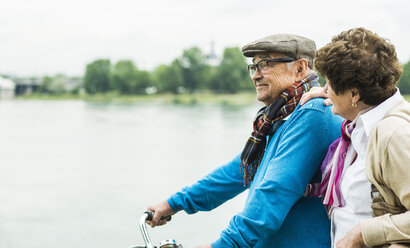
(316, 112)
(314, 104)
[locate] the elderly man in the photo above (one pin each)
(280, 161)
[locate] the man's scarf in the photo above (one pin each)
(333, 167)
(282, 106)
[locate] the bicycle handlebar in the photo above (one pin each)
(150, 215)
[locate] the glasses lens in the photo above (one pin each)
(262, 65)
(251, 69)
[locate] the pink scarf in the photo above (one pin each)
(333, 167)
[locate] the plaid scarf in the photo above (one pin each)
(332, 168)
(282, 106)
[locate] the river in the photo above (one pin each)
(80, 174)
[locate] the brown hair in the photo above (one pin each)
(358, 58)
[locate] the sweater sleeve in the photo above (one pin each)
(211, 191)
(394, 159)
(281, 184)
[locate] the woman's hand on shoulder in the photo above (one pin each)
(316, 92)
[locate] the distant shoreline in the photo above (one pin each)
(243, 98)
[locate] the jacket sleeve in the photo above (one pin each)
(211, 191)
(280, 184)
(395, 161)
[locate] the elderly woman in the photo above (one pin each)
(361, 71)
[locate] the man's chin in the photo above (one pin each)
(263, 99)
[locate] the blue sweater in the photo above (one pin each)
(275, 213)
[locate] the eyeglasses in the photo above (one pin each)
(261, 65)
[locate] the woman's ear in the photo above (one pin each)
(355, 95)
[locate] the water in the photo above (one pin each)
(78, 174)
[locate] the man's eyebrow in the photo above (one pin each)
(267, 56)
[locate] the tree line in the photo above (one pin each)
(191, 72)
(188, 73)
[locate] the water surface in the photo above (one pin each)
(78, 174)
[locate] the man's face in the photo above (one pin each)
(273, 79)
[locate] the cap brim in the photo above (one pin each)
(252, 52)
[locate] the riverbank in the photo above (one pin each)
(243, 98)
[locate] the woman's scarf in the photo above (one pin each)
(282, 106)
(333, 167)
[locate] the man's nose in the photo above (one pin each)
(256, 76)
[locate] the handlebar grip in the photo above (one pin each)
(151, 215)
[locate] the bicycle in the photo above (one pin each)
(167, 243)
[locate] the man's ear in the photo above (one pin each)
(302, 66)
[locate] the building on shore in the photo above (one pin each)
(7, 88)
(26, 86)
(212, 59)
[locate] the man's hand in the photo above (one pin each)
(353, 239)
(161, 209)
(314, 93)
(204, 246)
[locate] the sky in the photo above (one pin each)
(49, 37)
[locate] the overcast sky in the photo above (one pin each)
(52, 36)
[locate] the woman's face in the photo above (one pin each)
(342, 103)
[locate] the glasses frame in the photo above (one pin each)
(256, 66)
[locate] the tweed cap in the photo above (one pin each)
(291, 45)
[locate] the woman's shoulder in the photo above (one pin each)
(400, 110)
(396, 123)
(398, 115)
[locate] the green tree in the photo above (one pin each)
(404, 82)
(74, 85)
(322, 80)
(194, 69)
(143, 81)
(45, 84)
(126, 79)
(97, 76)
(169, 78)
(123, 76)
(231, 75)
(57, 85)
(53, 85)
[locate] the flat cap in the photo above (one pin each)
(291, 45)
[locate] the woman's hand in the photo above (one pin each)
(316, 92)
(399, 246)
(353, 239)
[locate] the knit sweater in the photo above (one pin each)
(275, 213)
